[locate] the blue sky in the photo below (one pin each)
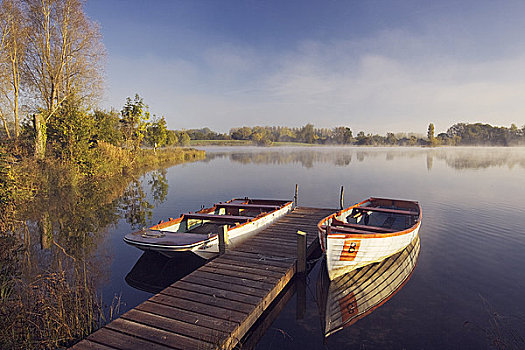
(374, 66)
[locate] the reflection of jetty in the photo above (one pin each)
(350, 297)
(216, 305)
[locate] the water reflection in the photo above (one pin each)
(57, 261)
(154, 272)
(456, 158)
(347, 299)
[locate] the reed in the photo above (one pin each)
(49, 310)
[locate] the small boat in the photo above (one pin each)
(199, 232)
(367, 232)
(351, 297)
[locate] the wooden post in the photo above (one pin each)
(40, 136)
(295, 197)
(341, 197)
(301, 252)
(223, 239)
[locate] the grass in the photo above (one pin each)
(246, 143)
(118, 161)
(221, 143)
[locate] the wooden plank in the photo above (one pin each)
(294, 223)
(118, 340)
(386, 210)
(219, 292)
(247, 269)
(156, 335)
(235, 280)
(352, 230)
(280, 262)
(168, 324)
(218, 218)
(267, 245)
(208, 300)
(270, 251)
(187, 316)
(362, 227)
(241, 275)
(269, 241)
(249, 262)
(247, 206)
(89, 345)
(210, 310)
(225, 283)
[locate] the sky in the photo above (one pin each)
(374, 66)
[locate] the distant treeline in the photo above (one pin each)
(460, 134)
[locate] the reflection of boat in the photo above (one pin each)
(154, 272)
(350, 297)
(367, 232)
(198, 232)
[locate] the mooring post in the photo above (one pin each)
(223, 239)
(301, 252)
(341, 197)
(295, 196)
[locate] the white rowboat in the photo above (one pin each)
(367, 232)
(199, 232)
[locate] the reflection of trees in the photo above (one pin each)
(457, 157)
(134, 203)
(159, 185)
(53, 265)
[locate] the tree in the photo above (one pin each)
(430, 135)
(12, 52)
(157, 133)
(243, 133)
(63, 59)
(342, 135)
(70, 130)
(391, 139)
(184, 139)
(107, 125)
(172, 138)
(135, 116)
(307, 134)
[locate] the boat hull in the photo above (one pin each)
(348, 251)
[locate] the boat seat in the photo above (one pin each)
(378, 229)
(218, 218)
(387, 211)
(247, 206)
(340, 229)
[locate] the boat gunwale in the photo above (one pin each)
(368, 235)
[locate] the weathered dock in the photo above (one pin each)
(216, 305)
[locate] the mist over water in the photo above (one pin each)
(470, 267)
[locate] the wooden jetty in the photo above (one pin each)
(216, 305)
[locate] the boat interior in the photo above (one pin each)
(377, 216)
(231, 213)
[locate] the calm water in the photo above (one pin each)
(466, 290)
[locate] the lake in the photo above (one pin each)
(466, 290)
